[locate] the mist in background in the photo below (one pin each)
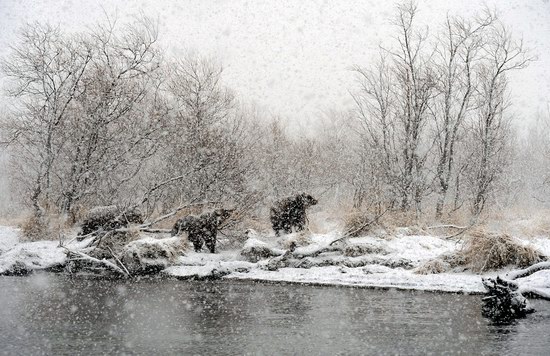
(291, 59)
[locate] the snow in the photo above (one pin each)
(540, 279)
(370, 276)
(386, 262)
(543, 244)
(30, 255)
(8, 238)
(415, 248)
(34, 255)
(318, 43)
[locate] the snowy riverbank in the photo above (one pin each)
(364, 262)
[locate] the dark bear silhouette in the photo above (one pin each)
(291, 212)
(108, 218)
(202, 229)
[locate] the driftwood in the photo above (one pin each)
(503, 301)
(505, 298)
(112, 262)
(156, 231)
(533, 292)
(316, 252)
(118, 260)
(528, 271)
(103, 262)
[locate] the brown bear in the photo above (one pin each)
(203, 228)
(290, 212)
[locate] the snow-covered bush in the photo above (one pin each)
(113, 242)
(443, 263)
(302, 238)
(433, 266)
(255, 250)
(149, 255)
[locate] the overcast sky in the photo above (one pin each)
(293, 57)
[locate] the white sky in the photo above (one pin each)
(293, 57)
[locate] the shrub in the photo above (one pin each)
(36, 227)
(433, 266)
(486, 251)
(359, 223)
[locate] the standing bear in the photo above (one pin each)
(291, 212)
(202, 229)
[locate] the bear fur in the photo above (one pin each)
(290, 213)
(202, 229)
(108, 218)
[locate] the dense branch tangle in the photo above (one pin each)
(87, 110)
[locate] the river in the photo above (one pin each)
(56, 315)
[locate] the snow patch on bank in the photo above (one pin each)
(23, 257)
(9, 237)
(32, 255)
(359, 262)
(370, 276)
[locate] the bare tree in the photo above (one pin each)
(432, 111)
(206, 140)
(393, 104)
(118, 119)
(457, 54)
(490, 126)
(86, 113)
(46, 70)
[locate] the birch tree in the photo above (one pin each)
(490, 125)
(393, 105)
(457, 57)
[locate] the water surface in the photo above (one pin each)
(54, 314)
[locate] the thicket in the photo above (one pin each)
(103, 117)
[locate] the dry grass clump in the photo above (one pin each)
(397, 219)
(528, 224)
(403, 223)
(45, 227)
(12, 221)
(433, 266)
(359, 223)
(256, 250)
(390, 223)
(486, 251)
(36, 228)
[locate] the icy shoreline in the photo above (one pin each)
(388, 263)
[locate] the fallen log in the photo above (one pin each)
(503, 302)
(505, 299)
(103, 262)
(528, 271)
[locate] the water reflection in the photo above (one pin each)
(52, 314)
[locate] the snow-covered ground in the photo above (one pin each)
(374, 270)
(367, 262)
(27, 256)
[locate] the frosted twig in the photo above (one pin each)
(119, 261)
(102, 261)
